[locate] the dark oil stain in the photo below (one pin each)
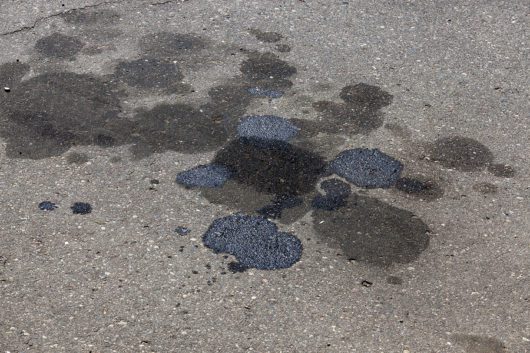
(360, 112)
(336, 194)
(239, 197)
(254, 241)
(236, 267)
(479, 344)
(394, 280)
(419, 187)
(47, 206)
(274, 167)
(371, 231)
(267, 37)
(206, 176)
(59, 46)
(77, 158)
(485, 188)
(149, 73)
(369, 168)
(461, 153)
(91, 17)
(279, 204)
(268, 69)
(502, 170)
(11, 74)
(283, 48)
(81, 208)
(170, 45)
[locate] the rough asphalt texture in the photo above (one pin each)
(84, 119)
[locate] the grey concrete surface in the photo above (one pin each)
(119, 279)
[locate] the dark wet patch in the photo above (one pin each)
(371, 231)
(81, 208)
(91, 17)
(239, 197)
(171, 45)
(418, 187)
(279, 204)
(182, 230)
(336, 194)
(59, 46)
(367, 168)
(273, 167)
(77, 158)
(283, 48)
(461, 153)
(360, 112)
(267, 68)
(267, 37)
(236, 267)
(54, 111)
(149, 73)
(502, 170)
(269, 127)
(394, 280)
(254, 241)
(11, 73)
(479, 344)
(47, 206)
(485, 188)
(206, 176)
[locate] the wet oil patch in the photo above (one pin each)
(254, 241)
(182, 231)
(11, 74)
(171, 46)
(360, 112)
(485, 188)
(236, 267)
(206, 176)
(279, 204)
(371, 231)
(336, 193)
(269, 127)
(268, 69)
(502, 170)
(267, 37)
(479, 344)
(274, 167)
(81, 208)
(47, 206)
(283, 48)
(369, 168)
(149, 73)
(59, 46)
(91, 17)
(461, 153)
(420, 188)
(76, 158)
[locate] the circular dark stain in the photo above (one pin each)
(59, 46)
(254, 241)
(461, 153)
(424, 189)
(47, 206)
(171, 45)
(502, 170)
(366, 96)
(372, 231)
(266, 66)
(149, 73)
(81, 208)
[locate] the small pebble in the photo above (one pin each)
(182, 230)
(47, 206)
(81, 208)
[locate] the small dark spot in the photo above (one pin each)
(195, 272)
(425, 189)
(283, 48)
(267, 37)
(77, 158)
(485, 188)
(366, 283)
(502, 170)
(59, 46)
(366, 97)
(236, 267)
(182, 230)
(81, 208)
(461, 153)
(154, 181)
(394, 280)
(47, 206)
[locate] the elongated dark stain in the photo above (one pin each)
(461, 153)
(371, 231)
(479, 344)
(267, 37)
(59, 46)
(420, 187)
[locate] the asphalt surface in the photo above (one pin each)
(418, 243)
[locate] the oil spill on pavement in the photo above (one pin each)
(502, 170)
(149, 73)
(267, 37)
(336, 193)
(59, 46)
(11, 74)
(254, 241)
(371, 231)
(172, 46)
(479, 344)
(420, 187)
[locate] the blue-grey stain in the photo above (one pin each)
(254, 241)
(280, 203)
(265, 92)
(182, 230)
(367, 168)
(47, 206)
(336, 191)
(81, 208)
(268, 127)
(206, 176)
